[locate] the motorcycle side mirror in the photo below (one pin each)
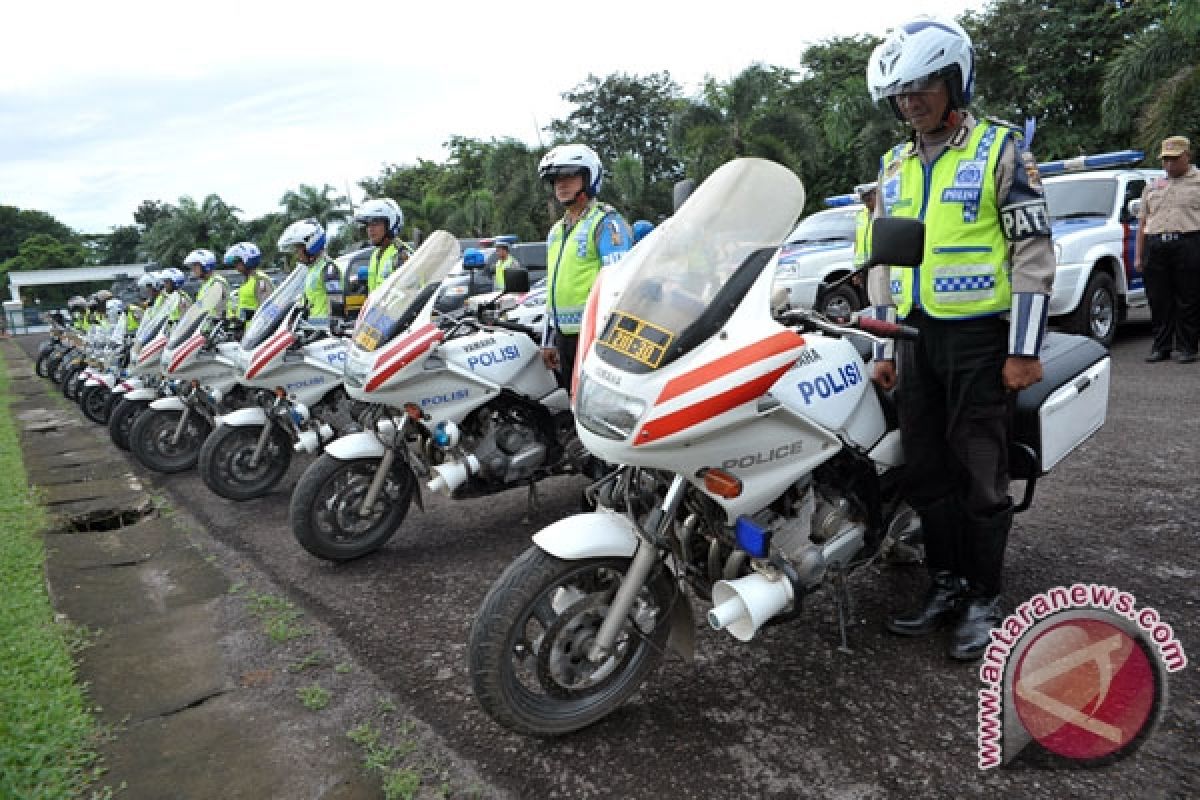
(897, 242)
(516, 280)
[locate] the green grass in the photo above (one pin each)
(314, 697)
(46, 732)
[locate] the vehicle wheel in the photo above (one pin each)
(324, 508)
(94, 402)
(150, 440)
(839, 303)
(41, 366)
(225, 461)
(71, 383)
(528, 648)
(1097, 313)
(122, 418)
(58, 368)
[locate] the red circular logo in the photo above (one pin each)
(1085, 688)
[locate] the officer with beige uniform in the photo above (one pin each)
(1168, 250)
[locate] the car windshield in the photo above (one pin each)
(737, 216)
(390, 309)
(824, 226)
(266, 320)
(1080, 198)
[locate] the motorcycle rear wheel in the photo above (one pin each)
(528, 649)
(121, 420)
(70, 382)
(41, 367)
(324, 509)
(150, 440)
(225, 461)
(94, 402)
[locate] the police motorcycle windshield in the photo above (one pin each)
(211, 305)
(693, 272)
(152, 324)
(268, 317)
(391, 308)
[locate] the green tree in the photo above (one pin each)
(1047, 60)
(121, 246)
(43, 251)
(17, 225)
(745, 117)
(1154, 82)
(190, 225)
(309, 202)
(150, 212)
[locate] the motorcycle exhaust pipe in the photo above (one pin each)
(453, 474)
(744, 605)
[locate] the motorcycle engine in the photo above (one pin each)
(508, 447)
(819, 533)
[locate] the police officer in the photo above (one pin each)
(246, 258)
(213, 294)
(504, 260)
(383, 220)
(589, 235)
(322, 286)
(1168, 251)
(979, 300)
(173, 293)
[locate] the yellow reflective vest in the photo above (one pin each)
(965, 268)
(573, 261)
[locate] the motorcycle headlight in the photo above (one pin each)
(606, 413)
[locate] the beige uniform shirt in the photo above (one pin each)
(1172, 205)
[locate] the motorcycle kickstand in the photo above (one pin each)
(845, 607)
(532, 505)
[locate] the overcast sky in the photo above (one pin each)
(106, 104)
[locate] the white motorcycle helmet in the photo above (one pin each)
(570, 159)
(245, 252)
(175, 276)
(146, 282)
(205, 258)
(307, 232)
(917, 54)
(384, 208)
(113, 309)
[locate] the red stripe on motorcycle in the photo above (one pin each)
(673, 423)
(587, 331)
(404, 341)
(403, 358)
(152, 349)
(767, 348)
(273, 347)
(193, 344)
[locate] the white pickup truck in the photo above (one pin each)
(1095, 234)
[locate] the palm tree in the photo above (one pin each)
(190, 225)
(309, 202)
(1156, 78)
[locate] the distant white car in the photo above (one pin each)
(819, 252)
(531, 311)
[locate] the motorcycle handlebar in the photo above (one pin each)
(518, 327)
(884, 329)
(858, 325)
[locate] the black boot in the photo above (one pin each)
(939, 605)
(983, 567)
(941, 523)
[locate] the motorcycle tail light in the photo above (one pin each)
(722, 483)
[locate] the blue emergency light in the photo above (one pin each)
(1121, 158)
(841, 200)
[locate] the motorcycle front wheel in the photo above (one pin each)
(41, 367)
(325, 507)
(528, 651)
(226, 455)
(151, 435)
(121, 419)
(94, 402)
(71, 382)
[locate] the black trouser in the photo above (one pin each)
(567, 344)
(955, 422)
(1172, 281)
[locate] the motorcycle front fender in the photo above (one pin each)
(165, 403)
(363, 444)
(243, 417)
(603, 534)
(145, 393)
